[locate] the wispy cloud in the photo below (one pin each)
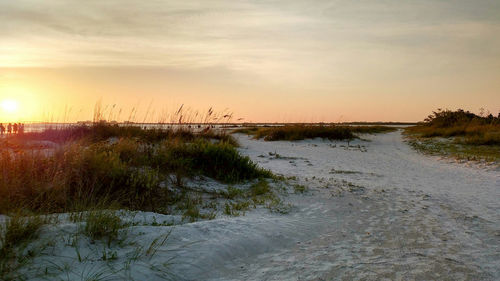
(253, 35)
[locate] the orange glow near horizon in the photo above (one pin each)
(154, 94)
(151, 95)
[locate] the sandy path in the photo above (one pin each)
(417, 218)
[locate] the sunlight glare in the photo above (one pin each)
(10, 106)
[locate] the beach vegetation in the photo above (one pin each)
(16, 233)
(103, 225)
(128, 172)
(298, 188)
(301, 132)
(460, 134)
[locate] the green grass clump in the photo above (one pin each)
(17, 230)
(190, 205)
(219, 160)
(223, 162)
(193, 213)
(15, 235)
(301, 132)
(260, 188)
(276, 205)
(233, 192)
(298, 188)
(103, 225)
(259, 193)
(236, 208)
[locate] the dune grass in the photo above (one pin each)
(261, 192)
(102, 131)
(470, 134)
(301, 132)
(459, 134)
(16, 232)
(130, 172)
(467, 127)
(220, 161)
(103, 225)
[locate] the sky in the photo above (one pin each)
(265, 61)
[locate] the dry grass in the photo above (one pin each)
(474, 134)
(465, 127)
(301, 132)
(460, 134)
(103, 131)
(130, 172)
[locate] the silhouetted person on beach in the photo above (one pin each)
(204, 131)
(21, 128)
(15, 126)
(9, 128)
(2, 129)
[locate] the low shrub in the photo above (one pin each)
(466, 127)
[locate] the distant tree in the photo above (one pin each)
(448, 118)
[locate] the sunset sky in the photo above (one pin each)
(274, 61)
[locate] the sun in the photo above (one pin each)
(10, 106)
